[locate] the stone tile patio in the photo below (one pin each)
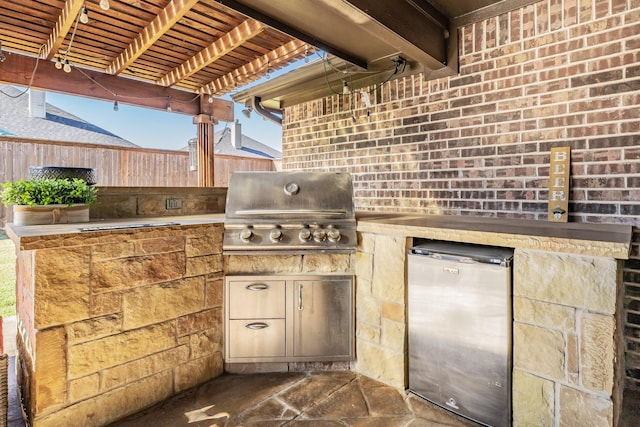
(298, 400)
(294, 399)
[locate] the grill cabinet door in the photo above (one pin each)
(323, 317)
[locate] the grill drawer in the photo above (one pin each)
(257, 299)
(257, 338)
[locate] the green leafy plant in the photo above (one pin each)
(48, 191)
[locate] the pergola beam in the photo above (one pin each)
(65, 21)
(162, 23)
(283, 54)
(216, 50)
(17, 70)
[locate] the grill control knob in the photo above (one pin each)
(304, 235)
(334, 234)
(319, 235)
(275, 235)
(246, 234)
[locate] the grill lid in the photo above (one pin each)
(289, 196)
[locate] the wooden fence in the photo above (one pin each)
(116, 166)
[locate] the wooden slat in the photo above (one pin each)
(143, 40)
(63, 26)
(216, 50)
(152, 32)
(255, 69)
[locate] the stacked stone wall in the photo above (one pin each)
(565, 342)
(120, 321)
(381, 321)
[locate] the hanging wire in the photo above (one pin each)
(116, 95)
(73, 36)
(399, 67)
(33, 74)
(222, 133)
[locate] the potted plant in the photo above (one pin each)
(48, 201)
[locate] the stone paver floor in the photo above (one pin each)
(298, 399)
(323, 399)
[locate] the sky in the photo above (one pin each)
(158, 129)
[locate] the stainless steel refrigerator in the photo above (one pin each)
(460, 321)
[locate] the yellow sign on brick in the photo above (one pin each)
(559, 167)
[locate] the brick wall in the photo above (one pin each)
(631, 277)
(555, 73)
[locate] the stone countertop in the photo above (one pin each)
(607, 240)
(49, 236)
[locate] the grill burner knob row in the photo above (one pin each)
(304, 235)
(275, 235)
(246, 234)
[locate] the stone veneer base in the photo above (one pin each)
(112, 322)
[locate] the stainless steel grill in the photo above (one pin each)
(289, 212)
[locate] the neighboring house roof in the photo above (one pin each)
(249, 148)
(224, 143)
(56, 125)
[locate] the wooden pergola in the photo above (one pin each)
(178, 55)
(182, 55)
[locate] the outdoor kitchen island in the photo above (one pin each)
(114, 321)
(567, 329)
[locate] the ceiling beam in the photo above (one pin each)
(65, 21)
(18, 69)
(418, 30)
(162, 23)
(300, 35)
(428, 10)
(252, 71)
(225, 44)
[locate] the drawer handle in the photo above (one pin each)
(257, 287)
(256, 325)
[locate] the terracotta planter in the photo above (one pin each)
(50, 214)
